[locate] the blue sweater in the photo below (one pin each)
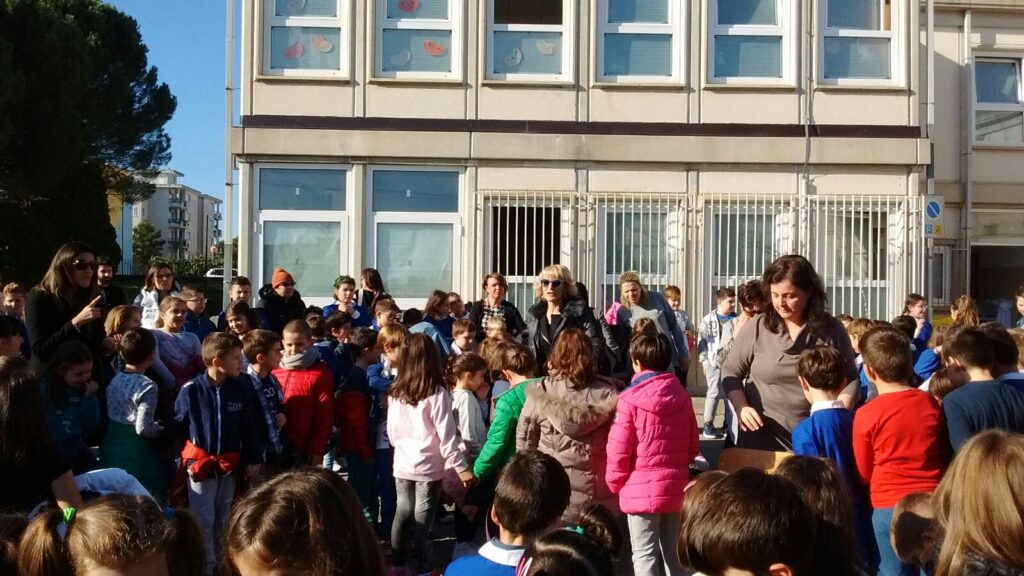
(221, 419)
(493, 559)
(980, 406)
(927, 364)
(362, 318)
(201, 326)
(829, 434)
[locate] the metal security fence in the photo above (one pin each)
(868, 250)
(598, 236)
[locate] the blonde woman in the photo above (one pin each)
(559, 308)
(982, 515)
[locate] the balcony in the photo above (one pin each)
(176, 222)
(179, 201)
(217, 215)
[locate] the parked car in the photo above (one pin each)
(219, 273)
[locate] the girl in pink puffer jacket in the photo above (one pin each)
(650, 446)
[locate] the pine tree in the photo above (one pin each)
(146, 244)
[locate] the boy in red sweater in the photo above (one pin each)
(899, 438)
(308, 403)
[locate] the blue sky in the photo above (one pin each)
(186, 43)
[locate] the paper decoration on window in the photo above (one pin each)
(401, 58)
(514, 58)
(546, 48)
(433, 48)
(409, 5)
(296, 6)
(322, 44)
(293, 52)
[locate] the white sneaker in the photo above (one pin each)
(463, 549)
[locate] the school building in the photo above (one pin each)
(690, 140)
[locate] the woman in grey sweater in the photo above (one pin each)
(759, 374)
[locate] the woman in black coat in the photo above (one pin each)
(559, 308)
(494, 304)
(67, 306)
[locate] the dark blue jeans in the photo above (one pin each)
(383, 465)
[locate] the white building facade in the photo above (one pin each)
(692, 141)
(189, 221)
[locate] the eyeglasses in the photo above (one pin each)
(197, 300)
(82, 265)
(553, 283)
(287, 284)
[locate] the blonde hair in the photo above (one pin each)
(495, 323)
(964, 312)
(982, 514)
(1018, 339)
(113, 531)
(392, 336)
(557, 272)
(166, 304)
(114, 325)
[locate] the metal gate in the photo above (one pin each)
(868, 250)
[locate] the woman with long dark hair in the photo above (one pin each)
(371, 288)
(159, 284)
(759, 374)
(66, 306)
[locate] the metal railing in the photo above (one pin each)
(869, 250)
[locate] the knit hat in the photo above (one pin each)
(280, 277)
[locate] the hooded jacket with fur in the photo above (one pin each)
(571, 424)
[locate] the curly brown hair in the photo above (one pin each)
(572, 358)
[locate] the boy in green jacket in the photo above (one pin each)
(518, 367)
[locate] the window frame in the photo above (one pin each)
(567, 29)
(343, 218)
(676, 27)
(453, 25)
(785, 29)
(455, 219)
(342, 22)
(897, 36)
(996, 57)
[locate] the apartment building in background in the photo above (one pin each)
(189, 221)
(691, 141)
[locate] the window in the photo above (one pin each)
(999, 106)
(306, 38)
(850, 251)
(640, 41)
(524, 238)
(642, 235)
(751, 42)
(415, 226)
(940, 275)
(302, 225)
(530, 40)
(419, 39)
(858, 45)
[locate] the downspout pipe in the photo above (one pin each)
(968, 226)
(229, 115)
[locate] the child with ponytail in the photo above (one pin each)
(115, 534)
(585, 549)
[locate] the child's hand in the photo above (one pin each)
(468, 480)
(279, 420)
(91, 388)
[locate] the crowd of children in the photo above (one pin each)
(328, 441)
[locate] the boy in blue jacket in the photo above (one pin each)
(828, 433)
(223, 436)
(530, 498)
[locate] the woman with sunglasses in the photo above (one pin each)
(66, 306)
(559, 308)
(159, 284)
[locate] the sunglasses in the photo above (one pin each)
(82, 265)
(553, 283)
(288, 284)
